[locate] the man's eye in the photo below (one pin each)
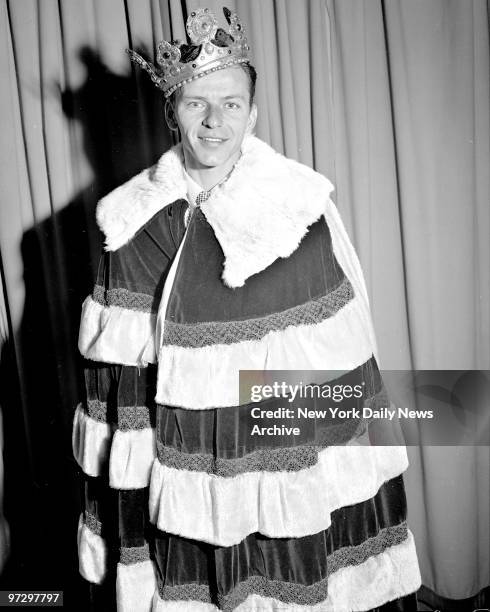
(195, 104)
(232, 105)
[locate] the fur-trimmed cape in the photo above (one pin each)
(182, 452)
(259, 214)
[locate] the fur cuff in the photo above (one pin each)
(91, 442)
(135, 587)
(92, 554)
(112, 334)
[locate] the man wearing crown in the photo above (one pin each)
(227, 256)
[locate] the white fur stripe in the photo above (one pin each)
(135, 587)
(208, 377)
(392, 574)
(183, 606)
(223, 511)
(116, 335)
(91, 442)
(132, 455)
(92, 554)
(349, 262)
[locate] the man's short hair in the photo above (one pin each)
(252, 79)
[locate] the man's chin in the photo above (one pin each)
(223, 156)
(214, 161)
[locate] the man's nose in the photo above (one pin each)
(213, 118)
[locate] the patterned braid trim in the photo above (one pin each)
(129, 418)
(92, 522)
(290, 592)
(355, 555)
(185, 592)
(124, 298)
(97, 410)
(134, 554)
(267, 459)
(133, 418)
(196, 335)
(285, 459)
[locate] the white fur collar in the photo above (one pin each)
(259, 214)
(121, 213)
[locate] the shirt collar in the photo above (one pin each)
(193, 188)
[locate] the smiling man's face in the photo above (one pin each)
(213, 114)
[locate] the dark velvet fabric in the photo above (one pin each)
(403, 604)
(141, 266)
(100, 379)
(306, 560)
(117, 386)
(226, 432)
(133, 517)
(137, 386)
(122, 516)
(299, 560)
(101, 502)
(313, 268)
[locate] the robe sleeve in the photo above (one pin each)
(118, 318)
(113, 435)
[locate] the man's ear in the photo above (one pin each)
(170, 116)
(252, 119)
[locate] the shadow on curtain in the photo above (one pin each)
(42, 364)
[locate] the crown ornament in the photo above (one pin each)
(211, 49)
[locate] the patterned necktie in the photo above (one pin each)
(202, 197)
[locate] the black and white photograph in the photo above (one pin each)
(245, 305)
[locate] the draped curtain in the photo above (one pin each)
(389, 99)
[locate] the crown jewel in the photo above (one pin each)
(212, 48)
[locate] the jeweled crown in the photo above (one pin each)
(211, 49)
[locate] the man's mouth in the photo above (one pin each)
(211, 139)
